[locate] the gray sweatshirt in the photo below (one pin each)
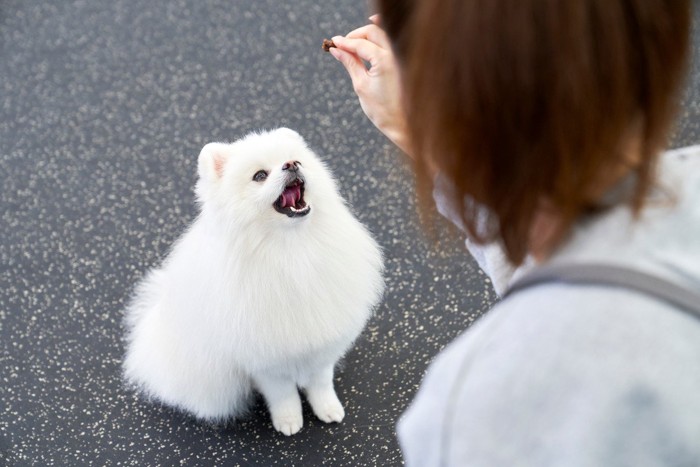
(565, 375)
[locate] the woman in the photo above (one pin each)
(538, 125)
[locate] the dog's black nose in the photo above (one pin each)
(291, 166)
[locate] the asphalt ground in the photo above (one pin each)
(104, 106)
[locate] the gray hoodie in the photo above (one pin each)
(564, 375)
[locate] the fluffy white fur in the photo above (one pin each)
(252, 299)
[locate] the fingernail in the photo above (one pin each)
(335, 52)
(337, 38)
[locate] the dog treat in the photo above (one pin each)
(327, 44)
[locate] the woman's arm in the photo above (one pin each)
(379, 91)
(379, 86)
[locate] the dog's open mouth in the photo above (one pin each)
(291, 201)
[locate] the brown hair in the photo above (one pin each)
(520, 101)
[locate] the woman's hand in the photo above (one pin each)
(379, 87)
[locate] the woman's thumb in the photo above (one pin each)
(352, 63)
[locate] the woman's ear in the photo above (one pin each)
(212, 161)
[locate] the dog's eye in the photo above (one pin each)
(260, 176)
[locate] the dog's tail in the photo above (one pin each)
(167, 367)
(207, 391)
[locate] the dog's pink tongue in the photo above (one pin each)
(290, 196)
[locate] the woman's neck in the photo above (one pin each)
(548, 230)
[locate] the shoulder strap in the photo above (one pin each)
(600, 274)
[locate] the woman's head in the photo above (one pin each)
(527, 102)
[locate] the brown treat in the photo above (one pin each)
(327, 44)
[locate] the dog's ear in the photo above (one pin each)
(212, 160)
(290, 134)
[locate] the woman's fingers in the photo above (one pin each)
(353, 65)
(363, 48)
(372, 33)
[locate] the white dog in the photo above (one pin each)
(266, 290)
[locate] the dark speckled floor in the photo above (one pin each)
(104, 106)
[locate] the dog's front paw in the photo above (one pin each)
(288, 424)
(328, 409)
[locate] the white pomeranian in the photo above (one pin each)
(265, 291)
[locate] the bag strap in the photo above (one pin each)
(601, 274)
